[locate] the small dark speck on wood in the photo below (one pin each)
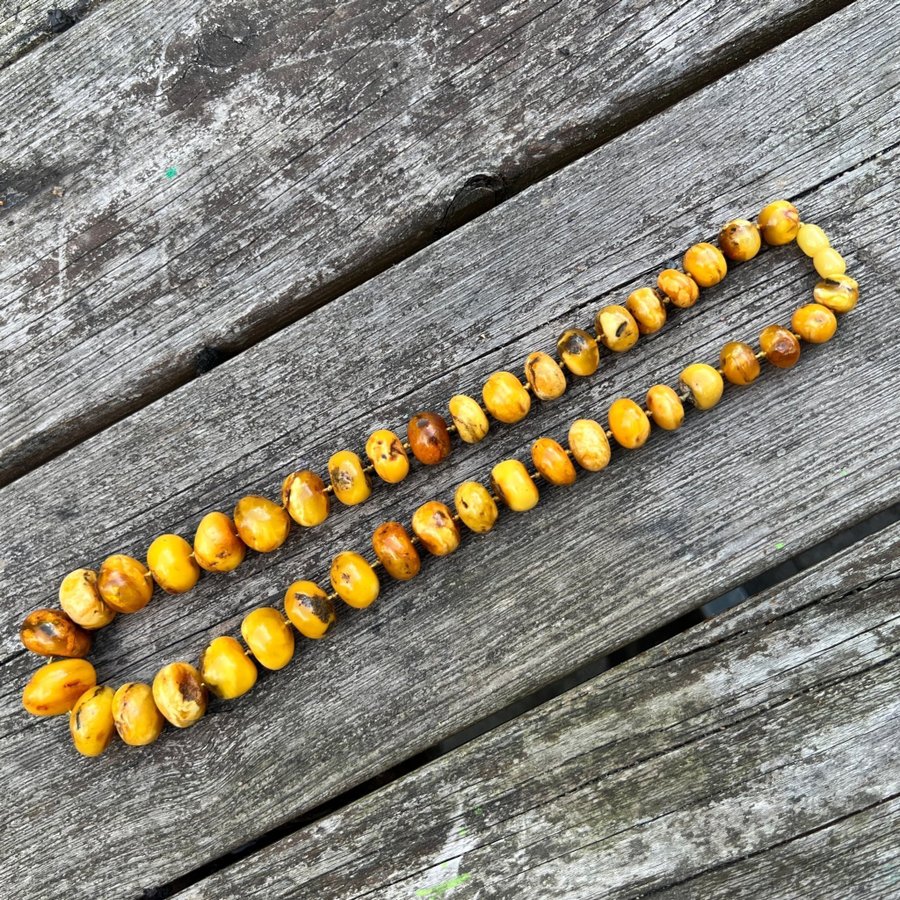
(59, 20)
(210, 357)
(477, 195)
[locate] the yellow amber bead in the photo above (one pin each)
(814, 323)
(269, 637)
(679, 287)
(354, 580)
(705, 263)
(547, 379)
(54, 688)
(839, 294)
(309, 608)
(469, 418)
(475, 507)
(514, 485)
(704, 383)
(739, 363)
(647, 309)
(435, 527)
(829, 263)
(124, 583)
(81, 601)
(226, 669)
(135, 715)
(579, 351)
(665, 407)
(180, 694)
(50, 632)
(589, 444)
(740, 240)
(386, 453)
(506, 398)
(217, 544)
(779, 222)
(304, 496)
(552, 461)
(616, 328)
(396, 551)
(350, 482)
(262, 524)
(811, 239)
(91, 721)
(782, 349)
(171, 561)
(628, 423)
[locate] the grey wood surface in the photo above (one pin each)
(676, 772)
(774, 469)
(309, 146)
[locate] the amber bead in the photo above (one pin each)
(475, 506)
(705, 384)
(616, 328)
(304, 496)
(779, 222)
(647, 309)
(705, 263)
(547, 379)
(679, 287)
(269, 637)
(170, 559)
(309, 608)
(469, 418)
(514, 485)
(589, 444)
(739, 363)
(394, 547)
(811, 239)
(428, 438)
(50, 632)
(80, 599)
(506, 398)
(782, 349)
(579, 351)
(552, 461)
(91, 721)
(739, 240)
(180, 694)
(226, 669)
(217, 544)
(135, 715)
(435, 527)
(262, 524)
(348, 478)
(124, 583)
(839, 294)
(628, 423)
(665, 407)
(55, 688)
(829, 263)
(354, 580)
(386, 453)
(814, 323)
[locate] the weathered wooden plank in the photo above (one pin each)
(307, 147)
(27, 24)
(659, 533)
(685, 766)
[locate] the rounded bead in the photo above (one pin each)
(80, 599)
(469, 418)
(839, 294)
(782, 349)
(829, 263)
(55, 688)
(706, 264)
(386, 453)
(648, 310)
(217, 545)
(579, 351)
(740, 240)
(91, 721)
(351, 484)
(547, 379)
(262, 524)
(354, 580)
(814, 323)
(552, 461)
(434, 526)
(304, 496)
(704, 383)
(514, 486)
(124, 583)
(779, 222)
(396, 551)
(739, 363)
(665, 407)
(679, 287)
(589, 444)
(628, 423)
(135, 715)
(475, 506)
(506, 398)
(428, 438)
(50, 632)
(171, 560)
(811, 239)
(309, 608)
(180, 694)
(616, 328)
(269, 637)
(226, 669)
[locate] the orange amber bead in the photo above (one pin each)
(514, 485)
(579, 351)
(547, 379)
(839, 293)
(739, 363)
(217, 545)
(704, 383)
(435, 527)
(428, 438)
(396, 551)
(124, 583)
(506, 398)
(706, 264)
(552, 461)
(740, 240)
(386, 453)
(779, 222)
(171, 560)
(615, 326)
(269, 637)
(628, 423)
(50, 632)
(55, 688)
(679, 287)
(469, 418)
(814, 323)
(348, 478)
(180, 694)
(648, 310)
(354, 580)
(782, 349)
(304, 496)
(262, 524)
(81, 601)
(475, 507)
(309, 608)
(665, 407)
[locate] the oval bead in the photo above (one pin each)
(180, 694)
(811, 239)
(475, 506)
(124, 583)
(50, 632)
(262, 524)
(514, 485)
(740, 240)
(396, 551)
(666, 408)
(269, 637)
(217, 544)
(226, 669)
(628, 423)
(739, 363)
(547, 379)
(840, 294)
(170, 559)
(428, 438)
(135, 715)
(705, 263)
(91, 721)
(679, 287)
(779, 222)
(54, 688)
(80, 599)
(304, 496)
(814, 323)
(579, 352)
(386, 453)
(704, 383)
(782, 349)
(309, 608)
(616, 328)
(506, 398)
(348, 478)
(434, 526)
(354, 580)
(589, 445)
(829, 263)
(552, 461)
(647, 309)
(469, 418)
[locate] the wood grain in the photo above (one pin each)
(308, 146)
(660, 532)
